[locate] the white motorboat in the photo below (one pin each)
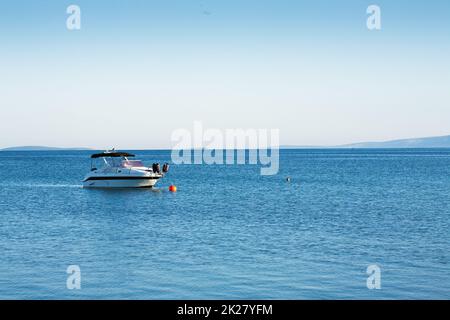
(117, 171)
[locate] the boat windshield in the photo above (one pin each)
(123, 163)
(131, 163)
(113, 161)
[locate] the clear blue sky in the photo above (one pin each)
(137, 70)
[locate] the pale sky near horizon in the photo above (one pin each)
(138, 70)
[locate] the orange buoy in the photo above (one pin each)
(172, 188)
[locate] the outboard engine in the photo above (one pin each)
(165, 167)
(156, 168)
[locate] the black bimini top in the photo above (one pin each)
(112, 155)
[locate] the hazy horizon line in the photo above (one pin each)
(282, 146)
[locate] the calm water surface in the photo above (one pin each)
(229, 232)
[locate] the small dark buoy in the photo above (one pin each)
(172, 188)
(288, 179)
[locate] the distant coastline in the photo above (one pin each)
(415, 143)
(42, 148)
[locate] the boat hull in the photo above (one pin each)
(116, 182)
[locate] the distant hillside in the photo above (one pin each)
(302, 147)
(432, 142)
(40, 148)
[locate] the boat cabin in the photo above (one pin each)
(115, 160)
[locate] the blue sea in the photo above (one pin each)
(230, 233)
